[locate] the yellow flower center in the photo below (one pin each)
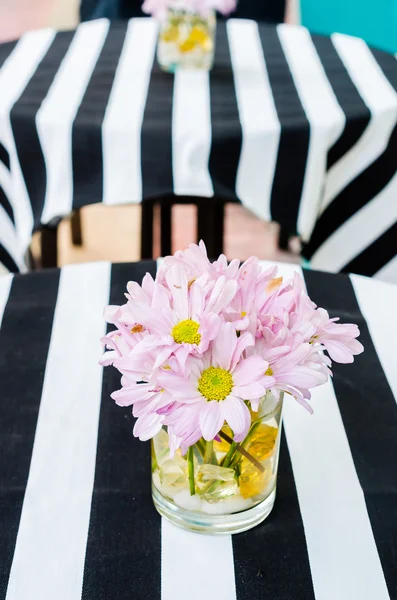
(186, 332)
(269, 372)
(215, 383)
(243, 313)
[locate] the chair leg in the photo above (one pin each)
(219, 228)
(147, 229)
(166, 227)
(210, 225)
(77, 237)
(283, 238)
(49, 247)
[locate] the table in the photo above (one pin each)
(76, 516)
(300, 128)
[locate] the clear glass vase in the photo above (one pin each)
(221, 486)
(186, 39)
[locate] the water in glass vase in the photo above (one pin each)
(186, 40)
(220, 486)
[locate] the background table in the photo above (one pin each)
(300, 128)
(76, 516)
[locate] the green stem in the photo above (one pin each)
(209, 450)
(244, 443)
(249, 435)
(190, 462)
(201, 447)
(228, 458)
(241, 450)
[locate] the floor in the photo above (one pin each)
(114, 233)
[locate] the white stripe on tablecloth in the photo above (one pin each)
(9, 239)
(378, 301)
(14, 76)
(258, 116)
(5, 286)
(381, 99)
(326, 118)
(356, 234)
(343, 557)
(388, 272)
(191, 134)
(50, 548)
(208, 572)
(121, 129)
(54, 119)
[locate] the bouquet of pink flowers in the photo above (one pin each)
(158, 8)
(201, 344)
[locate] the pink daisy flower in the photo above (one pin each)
(185, 321)
(217, 384)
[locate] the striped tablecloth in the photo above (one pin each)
(76, 516)
(300, 128)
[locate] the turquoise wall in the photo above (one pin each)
(373, 20)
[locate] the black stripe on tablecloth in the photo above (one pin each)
(5, 51)
(8, 262)
(356, 111)
(87, 156)
(4, 156)
(156, 135)
(369, 414)
(5, 203)
(294, 136)
(272, 559)
(376, 256)
(225, 121)
(123, 557)
(367, 185)
(23, 113)
(24, 340)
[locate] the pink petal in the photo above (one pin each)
(108, 358)
(177, 284)
(146, 316)
(212, 324)
(249, 370)
(224, 346)
(128, 395)
(148, 285)
(163, 355)
(109, 313)
(243, 342)
(238, 417)
(160, 297)
(147, 427)
(254, 390)
(180, 387)
(196, 301)
(211, 419)
(340, 352)
(222, 294)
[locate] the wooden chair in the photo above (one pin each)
(210, 223)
